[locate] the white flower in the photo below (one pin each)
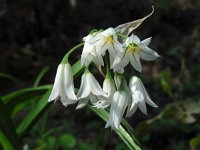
(118, 107)
(89, 85)
(109, 89)
(90, 53)
(108, 41)
(134, 50)
(63, 87)
(139, 96)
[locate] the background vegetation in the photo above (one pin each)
(35, 34)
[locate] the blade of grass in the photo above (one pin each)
(17, 97)
(32, 117)
(9, 77)
(8, 136)
(40, 76)
(24, 105)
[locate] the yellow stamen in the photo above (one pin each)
(133, 48)
(110, 39)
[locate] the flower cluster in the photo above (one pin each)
(111, 50)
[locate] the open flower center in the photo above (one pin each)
(110, 39)
(133, 48)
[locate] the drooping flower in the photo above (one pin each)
(109, 89)
(139, 96)
(90, 52)
(63, 87)
(118, 107)
(134, 50)
(89, 85)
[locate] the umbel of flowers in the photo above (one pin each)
(111, 50)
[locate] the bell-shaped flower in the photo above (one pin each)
(118, 107)
(63, 87)
(90, 52)
(89, 85)
(134, 50)
(139, 96)
(109, 89)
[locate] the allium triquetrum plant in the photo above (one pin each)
(110, 50)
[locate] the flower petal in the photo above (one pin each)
(148, 54)
(68, 81)
(93, 98)
(121, 60)
(120, 108)
(93, 85)
(84, 90)
(148, 99)
(145, 42)
(140, 101)
(132, 39)
(135, 61)
(57, 84)
(82, 103)
(132, 109)
(98, 60)
(63, 96)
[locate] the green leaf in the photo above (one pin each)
(9, 77)
(17, 96)
(24, 105)
(40, 76)
(13, 99)
(195, 143)
(8, 136)
(67, 141)
(126, 135)
(31, 118)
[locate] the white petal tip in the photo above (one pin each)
(139, 70)
(50, 100)
(80, 106)
(65, 105)
(156, 106)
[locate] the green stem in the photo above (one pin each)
(108, 75)
(123, 36)
(65, 58)
(122, 87)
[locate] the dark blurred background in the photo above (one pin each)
(37, 33)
